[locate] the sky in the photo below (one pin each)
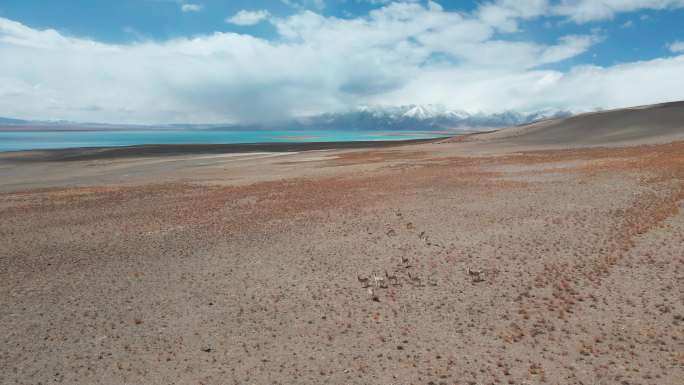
(249, 61)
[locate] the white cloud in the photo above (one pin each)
(401, 53)
(582, 11)
(569, 46)
(505, 14)
(245, 17)
(676, 47)
(383, 2)
(187, 7)
(306, 4)
(583, 88)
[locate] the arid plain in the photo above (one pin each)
(539, 254)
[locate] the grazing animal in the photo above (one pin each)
(405, 262)
(426, 238)
(379, 281)
(415, 280)
(476, 275)
(372, 295)
(363, 280)
(393, 279)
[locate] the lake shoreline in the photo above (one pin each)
(160, 150)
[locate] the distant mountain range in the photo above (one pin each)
(10, 121)
(409, 117)
(422, 117)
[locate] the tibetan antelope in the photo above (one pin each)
(392, 278)
(476, 275)
(379, 281)
(415, 280)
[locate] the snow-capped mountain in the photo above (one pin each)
(421, 117)
(410, 117)
(433, 111)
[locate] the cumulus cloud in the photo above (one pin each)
(187, 7)
(245, 17)
(580, 89)
(401, 53)
(676, 47)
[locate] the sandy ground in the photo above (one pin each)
(495, 266)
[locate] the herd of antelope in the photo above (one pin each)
(376, 281)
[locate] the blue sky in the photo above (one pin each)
(159, 61)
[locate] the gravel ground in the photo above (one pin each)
(556, 267)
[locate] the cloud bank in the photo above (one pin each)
(402, 53)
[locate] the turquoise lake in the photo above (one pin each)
(33, 140)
